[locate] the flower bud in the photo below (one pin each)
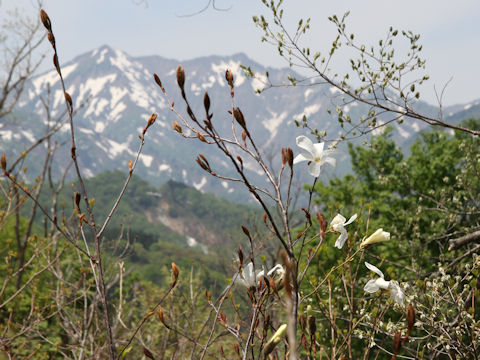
(229, 78)
(158, 81)
(290, 157)
(240, 256)
(130, 166)
(206, 102)
(180, 77)
(397, 342)
(148, 353)
(161, 316)
(284, 157)
(51, 38)
(410, 318)
(377, 236)
(176, 126)
(201, 137)
(175, 273)
(4, 162)
(77, 199)
(45, 20)
(275, 339)
(237, 114)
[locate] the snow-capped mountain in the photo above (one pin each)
(114, 93)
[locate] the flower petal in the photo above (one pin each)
(329, 160)
(314, 168)
(396, 293)
(374, 269)
(318, 149)
(352, 219)
(306, 144)
(341, 239)
(302, 157)
(338, 222)
(371, 287)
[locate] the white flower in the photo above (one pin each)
(377, 236)
(373, 285)
(314, 154)
(338, 224)
(249, 278)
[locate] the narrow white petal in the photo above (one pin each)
(371, 286)
(277, 269)
(329, 160)
(314, 169)
(374, 269)
(396, 293)
(305, 143)
(352, 219)
(302, 157)
(341, 239)
(318, 149)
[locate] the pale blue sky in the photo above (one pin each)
(450, 31)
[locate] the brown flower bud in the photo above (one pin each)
(148, 353)
(410, 318)
(175, 273)
(290, 157)
(161, 316)
(51, 38)
(130, 166)
(237, 114)
(322, 221)
(180, 77)
(237, 348)
(284, 157)
(206, 102)
(45, 20)
(150, 122)
(68, 99)
(245, 231)
(176, 126)
(158, 81)
(397, 342)
(201, 137)
(208, 295)
(240, 255)
(4, 162)
(202, 164)
(77, 199)
(229, 78)
(204, 159)
(55, 63)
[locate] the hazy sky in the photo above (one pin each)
(450, 31)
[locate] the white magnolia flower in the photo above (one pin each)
(314, 154)
(373, 285)
(377, 236)
(249, 278)
(338, 224)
